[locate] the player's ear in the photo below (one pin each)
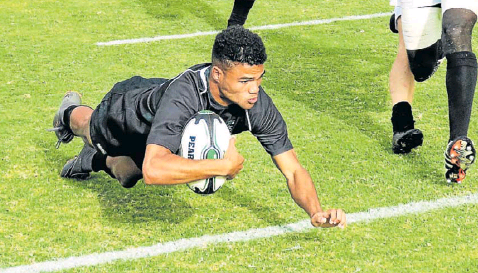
(216, 73)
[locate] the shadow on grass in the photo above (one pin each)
(147, 203)
(120, 205)
(263, 211)
(179, 10)
(138, 204)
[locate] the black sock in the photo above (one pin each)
(402, 117)
(461, 73)
(98, 163)
(239, 12)
(67, 114)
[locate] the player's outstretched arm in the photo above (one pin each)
(161, 167)
(303, 192)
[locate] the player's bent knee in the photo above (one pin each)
(124, 170)
(424, 62)
(129, 181)
(457, 20)
(457, 30)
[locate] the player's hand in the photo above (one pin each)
(329, 218)
(234, 158)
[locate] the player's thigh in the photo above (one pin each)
(421, 26)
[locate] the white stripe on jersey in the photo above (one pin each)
(202, 75)
(248, 121)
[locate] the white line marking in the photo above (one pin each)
(190, 35)
(239, 236)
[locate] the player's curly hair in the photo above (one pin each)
(238, 45)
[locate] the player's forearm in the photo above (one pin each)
(303, 192)
(173, 169)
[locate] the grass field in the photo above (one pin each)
(330, 82)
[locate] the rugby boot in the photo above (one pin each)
(459, 155)
(62, 131)
(404, 142)
(80, 166)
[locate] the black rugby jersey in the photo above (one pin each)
(168, 107)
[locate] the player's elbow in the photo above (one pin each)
(293, 176)
(289, 177)
(148, 176)
(152, 176)
(148, 179)
(291, 173)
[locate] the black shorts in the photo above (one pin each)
(116, 126)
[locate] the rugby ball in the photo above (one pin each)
(205, 136)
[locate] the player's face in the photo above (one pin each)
(240, 84)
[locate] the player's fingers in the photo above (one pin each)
(231, 176)
(236, 172)
(340, 217)
(324, 217)
(343, 219)
(239, 168)
(333, 216)
(317, 220)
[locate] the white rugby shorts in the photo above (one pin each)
(422, 23)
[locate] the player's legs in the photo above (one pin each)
(72, 119)
(75, 119)
(461, 78)
(239, 12)
(402, 87)
(109, 144)
(417, 59)
(461, 68)
(123, 168)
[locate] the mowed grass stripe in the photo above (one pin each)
(275, 26)
(240, 236)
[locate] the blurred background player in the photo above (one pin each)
(430, 30)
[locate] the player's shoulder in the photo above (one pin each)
(137, 82)
(195, 72)
(193, 77)
(199, 67)
(187, 87)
